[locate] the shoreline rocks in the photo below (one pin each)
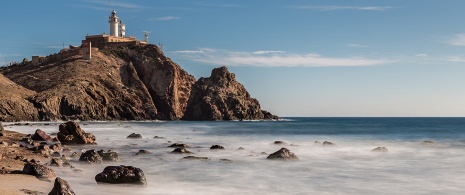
(380, 149)
(61, 187)
(38, 170)
(134, 136)
(121, 175)
(71, 133)
(283, 154)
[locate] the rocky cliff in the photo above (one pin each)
(221, 97)
(136, 83)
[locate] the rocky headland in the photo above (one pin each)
(125, 83)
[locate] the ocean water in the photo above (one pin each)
(348, 167)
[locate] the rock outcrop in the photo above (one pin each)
(40, 135)
(38, 170)
(169, 85)
(380, 149)
(71, 133)
(121, 175)
(221, 97)
(91, 156)
(61, 187)
(283, 154)
(14, 103)
(125, 83)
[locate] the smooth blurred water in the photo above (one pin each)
(348, 167)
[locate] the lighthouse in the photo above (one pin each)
(113, 20)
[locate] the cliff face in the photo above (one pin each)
(221, 97)
(169, 85)
(14, 105)
(104, 88)
(136, 83)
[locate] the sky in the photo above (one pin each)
(318, 58)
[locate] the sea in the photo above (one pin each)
(349, 166)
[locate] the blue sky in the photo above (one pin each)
(298, 58)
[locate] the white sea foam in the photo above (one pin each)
(348, 167)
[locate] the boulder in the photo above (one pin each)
(283, 154)
(216, 147)
(40, 135)
(108, 156)
(134, 136)
(40, 171)
(327, 143)
(71, 133)
(61, 187)
(2, 131)
(178, 145)
(56, 147)
(158, 137)
(91, 156)
(279, 142)
(121, 175)
(221, 97)
(142, 152)
(380, 149)
(56, 162)
(181, 151)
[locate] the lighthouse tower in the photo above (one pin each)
(113, 20)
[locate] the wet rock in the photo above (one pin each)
(225, 160)
(380, 149)
(178, 145)
(158, 137)
(2, 131)
(134, 136)
(216, 147)
(142, 152)
(56, 154)
(181, 151)
(283, 154)
(264, 153)
(39, 171)
(109, 155)
(56, 162)
(56, 147)
(428, 142)
(91, 156)
(121, 175)
(194, 158)
(40, 135)
(279, 142)
(327, 143)
(27, 140)
(61, 187)
(71, 133)
(240, 148)
(74, 154)
(317, 142)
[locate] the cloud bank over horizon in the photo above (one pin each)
(266, 58)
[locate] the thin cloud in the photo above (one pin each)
(166, 18)
(334, 8)
(272, 59)
(456, 40)
(105, 5)
(356, 45)
(422, 55)
(455, 59)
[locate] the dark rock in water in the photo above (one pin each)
(317, 142)
(380, 149)
(2, 131)
(217, 147)
(194, 158)
(264, 153)
(178, 145)
(142, 152)
(428, 142)
(74, 154)
(327, 143)
(71, 133)
(121, 175)
(279, 142)
(56, 147)
(240, 148)
(56, 162)
(221, 97)
(40, 135)
(158, 137)
(134, 136)
(40, 171)
(283, 154)
(108, 156)
(181, 151)
(91, 156)
(225, 160)
(61, 187)
(56, 154)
